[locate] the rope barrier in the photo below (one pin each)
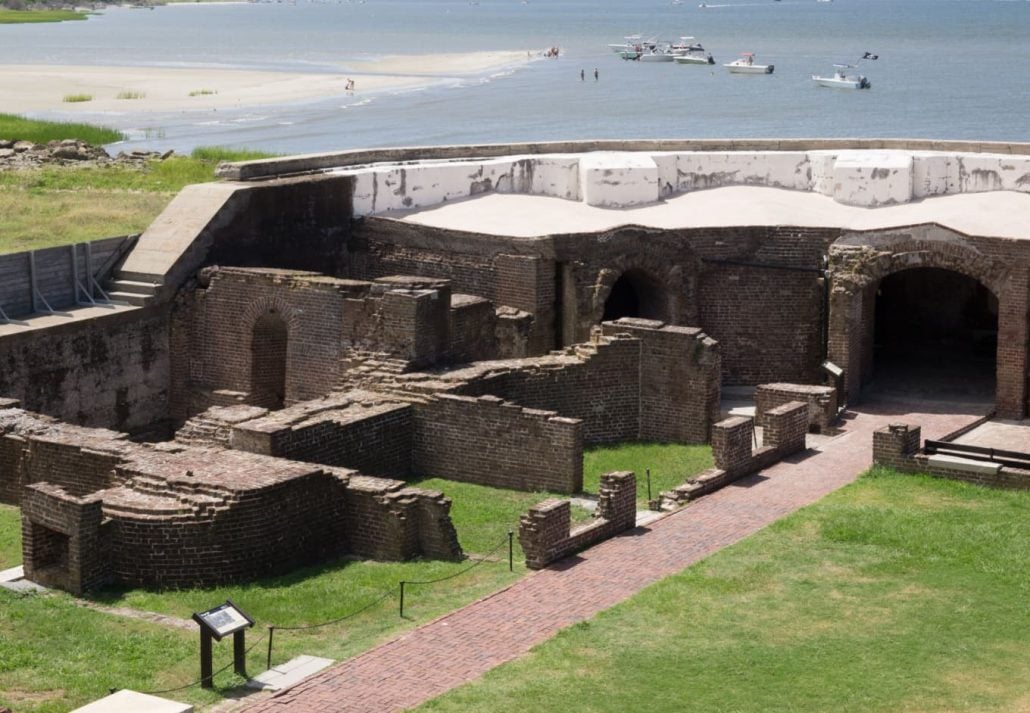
(403, 582)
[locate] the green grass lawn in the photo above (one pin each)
(60, 655)
(670, 464)
(15, 17)
(10, 537)
(20, 128)
(897, 593)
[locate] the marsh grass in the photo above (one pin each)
(17, 127)
(897, 593)
(132, 95)
(16, 17)
(77, 98)
(203, 92)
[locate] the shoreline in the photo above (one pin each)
(43, 88)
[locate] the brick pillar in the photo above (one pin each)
(786, 427)
(731, 442)
(415, 324)
(542, 529)
(1012, 368)
(894, 445)
(61, 539)
(617, 498)
(528, 282)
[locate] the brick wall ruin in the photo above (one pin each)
(737, 455)
(545, 533)
(175, 515)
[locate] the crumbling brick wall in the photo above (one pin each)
(736, 456)
(61, 539)
(489, 441)
(821, 400)
(679, 382)
(544, 531)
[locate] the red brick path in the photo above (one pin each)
(465, 644)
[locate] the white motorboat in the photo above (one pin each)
(842, 80)
(655, 52)
(632, 42)
(687, 51)
(746, 64)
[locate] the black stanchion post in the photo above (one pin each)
(648, 485)
(511, 550)
(402, 598)
(271, 633)
(239, 652)
(206, 669)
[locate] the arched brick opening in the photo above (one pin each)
(860, 263)
(637, 293)
(268, 352)
(933, 330)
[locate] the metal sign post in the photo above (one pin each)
(215, 624)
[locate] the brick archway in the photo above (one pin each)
(858, 263)
(269, 324)
(660, 288)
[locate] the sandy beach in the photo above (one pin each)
(42, 88)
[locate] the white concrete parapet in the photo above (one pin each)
(872, 178)
(861, 177)
(617, 180)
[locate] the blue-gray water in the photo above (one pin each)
(954, 69)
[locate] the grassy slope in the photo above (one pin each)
(897, 593)
(481, 515)
(58, 205)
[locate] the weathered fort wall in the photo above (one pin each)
(110, 371)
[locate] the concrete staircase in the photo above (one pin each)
(133, 288)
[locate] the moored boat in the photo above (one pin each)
(687, 51)
(842, 80)
(746, 64)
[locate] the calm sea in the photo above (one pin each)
(955, 69)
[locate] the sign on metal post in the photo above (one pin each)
(215, 625)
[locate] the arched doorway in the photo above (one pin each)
(268, 361)
(637, 294)
(935, 333)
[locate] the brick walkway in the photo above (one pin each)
(463, 645)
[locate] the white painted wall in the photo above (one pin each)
(617, 179)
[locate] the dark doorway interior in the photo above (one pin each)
(636, 294)
(268, 361)
(935, 335)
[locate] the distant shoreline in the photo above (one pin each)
(128, 90)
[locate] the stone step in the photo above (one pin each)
(141, 277)
(131, 298)
(134, 286)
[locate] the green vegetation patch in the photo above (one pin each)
(16, 17)
(14, 127)
(59, 205)
(132, 95)
(76, 98)
(897, 593)
(10, 536)
(670, 464)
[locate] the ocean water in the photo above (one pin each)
(949, 69)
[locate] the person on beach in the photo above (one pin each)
(596, 75)
(582, 75)
(349, 86)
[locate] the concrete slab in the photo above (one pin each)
(13, 574)
(133, 702)
(34, 322)
(1000, 433)
(13, 579)
(963, 464)
(285, 675)
(996, 214)
(615, 180)
(645, 517)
